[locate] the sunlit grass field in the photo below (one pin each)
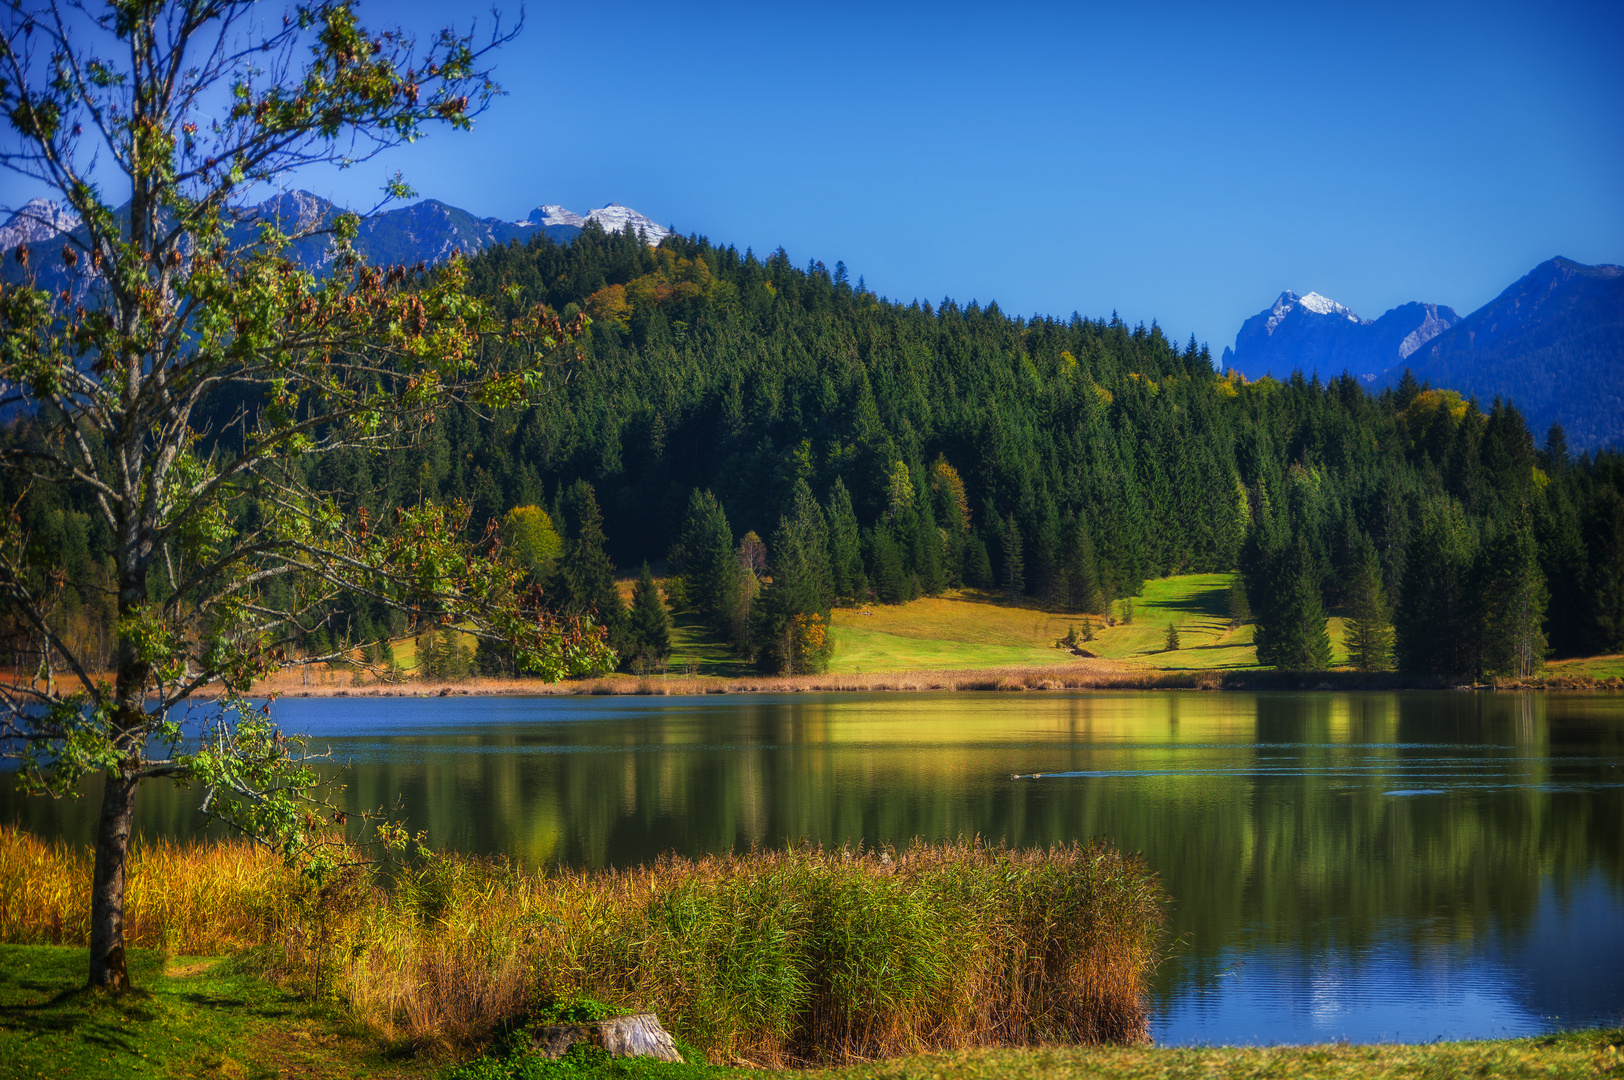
(971, 629)
(1590, 667)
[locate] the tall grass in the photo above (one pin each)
(769, 958)
(204, 899)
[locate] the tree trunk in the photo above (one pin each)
(621, 1036)
(107, 885)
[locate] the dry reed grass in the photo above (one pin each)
(771, 958)
(200, 899)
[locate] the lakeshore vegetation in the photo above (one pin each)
(797, 956)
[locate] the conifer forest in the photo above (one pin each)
(779, 439)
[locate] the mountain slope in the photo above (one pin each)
(1553, 343)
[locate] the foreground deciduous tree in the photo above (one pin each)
(179, 297)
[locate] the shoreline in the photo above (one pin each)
(1084, 675)
(188, 1019)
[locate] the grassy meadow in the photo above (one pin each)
(970, 629)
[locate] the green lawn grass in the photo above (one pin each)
(698, 650)
(187, 1017)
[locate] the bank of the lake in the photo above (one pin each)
(214, 1017)
(1085, 674)
(967, 639)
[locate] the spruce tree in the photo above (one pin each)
(1014, 569)
(1082, 579)
(794, 605)
(1435, 627)
(650, 623)
(586, 577)
(1604, 583)
(849, 580)
(1171, 642)
(1370, 631)
(977, 564)
(929, 563)
(1512, 598)
(1292, 635)
(703, 555)
(890, 576)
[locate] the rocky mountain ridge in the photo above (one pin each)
(1552, 343)
(1318, 336)
(427, 231)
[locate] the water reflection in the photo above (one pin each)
(1342, 865)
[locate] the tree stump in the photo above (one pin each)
(620, 1036)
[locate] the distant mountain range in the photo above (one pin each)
(1317, 335)
(427, 231)
(1553, 343)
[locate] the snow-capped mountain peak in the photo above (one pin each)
(1324, 305)
(1313, 303)
(35, 221)
(613, 218)
(617, 218)
(553, 214)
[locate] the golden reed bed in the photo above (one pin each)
(802, 955)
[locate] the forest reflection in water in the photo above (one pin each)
(1427, 864)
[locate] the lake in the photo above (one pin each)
(1368, 867)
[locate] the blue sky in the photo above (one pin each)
(1176, 162)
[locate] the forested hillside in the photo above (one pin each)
(784, 439)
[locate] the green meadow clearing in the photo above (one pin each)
(969, 629)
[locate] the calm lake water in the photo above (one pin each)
(1368, 867)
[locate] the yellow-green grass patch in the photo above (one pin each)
(1588, 667)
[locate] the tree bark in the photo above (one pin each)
(622, 1036)
(107, 966)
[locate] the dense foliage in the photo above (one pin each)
(783, 439)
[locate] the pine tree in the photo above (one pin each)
(794, 610)
(850, 582)
(1435, 627)
(977, 564)
(1014, 575)
(1292, 634)
(704, 556)
(1370, 631)
(1171, 643)
(1512, 598)
(586, 576)
(890, 576)
(649, 621)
